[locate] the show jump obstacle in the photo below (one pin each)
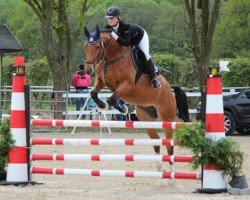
(19, 168)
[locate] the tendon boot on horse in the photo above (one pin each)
(123, 109)
(151, 70)
(119, 105)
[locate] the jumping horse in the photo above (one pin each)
(114, 68)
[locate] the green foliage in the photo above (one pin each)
(7, 70)
(171, 65)
(23, 23)
(169, 30)
(163, 20)
(38, 72)
(178, 71)
(239, 73)
(224, 153)
(6, 142)
(232, 35)
(7, 9)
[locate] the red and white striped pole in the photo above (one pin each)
(17, 172)
(213, 181)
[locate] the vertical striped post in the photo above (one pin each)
(17, 172)
(213, 181)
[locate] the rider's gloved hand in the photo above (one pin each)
(114, 35)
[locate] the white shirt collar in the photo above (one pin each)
(116, 27)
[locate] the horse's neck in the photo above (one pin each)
(114, 49)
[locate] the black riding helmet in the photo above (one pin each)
(113, 12)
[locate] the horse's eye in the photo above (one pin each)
(97, 47)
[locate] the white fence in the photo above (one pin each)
(69, 96)
(42, 100)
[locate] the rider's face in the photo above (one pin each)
(113, 21)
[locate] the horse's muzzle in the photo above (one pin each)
(89, 69)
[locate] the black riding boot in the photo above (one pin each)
(151, 70)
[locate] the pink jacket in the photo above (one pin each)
(81, 80)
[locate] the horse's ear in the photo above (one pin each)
(98, 31)
(86, 32)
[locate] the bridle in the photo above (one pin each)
(101, 56)
(100, 53)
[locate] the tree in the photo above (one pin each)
(60, 31)
(163, 20)
(232, 35)
(24, 26)
(202, 30)
(170, 32)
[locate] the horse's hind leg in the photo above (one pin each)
(143, 114)
(153, 134)
(168, 114)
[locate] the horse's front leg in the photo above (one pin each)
(94, 94)
(118, 104)
(115, 100)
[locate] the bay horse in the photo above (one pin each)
(115, 69)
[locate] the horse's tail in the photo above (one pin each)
(182, 103)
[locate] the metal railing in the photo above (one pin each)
(43, 102)
(41, 99)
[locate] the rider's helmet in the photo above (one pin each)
(113, 12)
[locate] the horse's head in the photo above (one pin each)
(93, 48)
(101, 46)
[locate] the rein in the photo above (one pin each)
(117, 59)
(102, 56)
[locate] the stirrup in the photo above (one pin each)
(155, 83)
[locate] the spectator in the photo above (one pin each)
(81, 81)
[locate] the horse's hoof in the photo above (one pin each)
(159, 166)
(105, 106)
(125, 110)
(130, 108)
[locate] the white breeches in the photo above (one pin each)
(144, 45)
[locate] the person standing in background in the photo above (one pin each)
(81, 81)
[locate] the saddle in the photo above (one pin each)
(139, 61)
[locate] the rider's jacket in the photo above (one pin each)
(128, 34)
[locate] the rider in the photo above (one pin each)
(130, 34)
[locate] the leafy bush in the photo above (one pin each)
(238, 75)
(176, 70)
(38, 72)
(6, 142)
(7, 70)
(223, 153)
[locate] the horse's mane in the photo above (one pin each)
(106, 31)
(105, 35)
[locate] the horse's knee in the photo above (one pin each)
(100, 103)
